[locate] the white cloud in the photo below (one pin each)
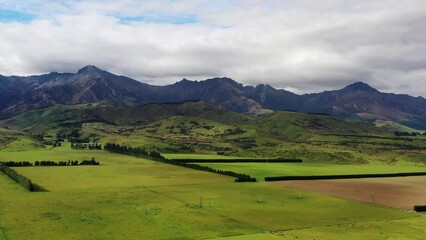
(303, 45)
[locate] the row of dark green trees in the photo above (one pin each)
(51, 163)
(21, 179)
(84, 146)
(156, 156)
(138, 152)
(412, 134)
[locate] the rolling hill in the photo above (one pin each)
(199, 127)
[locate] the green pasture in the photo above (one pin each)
(262, 170)
(259, 236)
(133, 198)
(399, 229)
(2, 236)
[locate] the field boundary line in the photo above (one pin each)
(346, 176)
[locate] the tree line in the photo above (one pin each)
(53, 143)
(156, 156)
(139, 152)
(84, 146)
(21, 179)
(412, 134)
(51, 163)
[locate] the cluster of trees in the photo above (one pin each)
(54, 143)
(89, 162)
(243, 143)
(412, 134)
(51, 163)
(17, 164)
(139, 152)
(83, 146)
(156, 156)
(24, 181)
(233, 131)
(67, 163)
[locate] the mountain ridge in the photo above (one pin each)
(93, 85)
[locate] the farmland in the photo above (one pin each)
(402, 192)
(262, 170)
(128, 197)
(132, 198)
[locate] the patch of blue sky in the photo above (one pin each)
(161, 19)
(7, 15)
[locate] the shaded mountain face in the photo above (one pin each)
(361, 100)
(88, 85)
(93, 85)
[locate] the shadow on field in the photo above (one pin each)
(38, 188)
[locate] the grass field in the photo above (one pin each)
(2, 236)
(262, 170)
(260, 236)
(132, 198)
(401, 229)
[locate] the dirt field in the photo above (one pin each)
(401, 192)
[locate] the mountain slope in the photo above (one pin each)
(71, 117)
(93, 85)
(88, 85)
(366, 102)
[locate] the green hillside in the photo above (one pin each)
(17, 141)
(393, 126)
(196, 127)
(294, 125)
(51, 119)
(69, 117)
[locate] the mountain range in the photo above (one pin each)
(90, 84)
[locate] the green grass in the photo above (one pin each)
(262, 170)
(402, 229)
(393, 126)
(111, 201)
(13, 140)
(260, 236)
(2, 236)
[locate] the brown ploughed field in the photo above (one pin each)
(399, 192)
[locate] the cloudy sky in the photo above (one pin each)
(299, 45)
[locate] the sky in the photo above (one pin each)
(299, 45)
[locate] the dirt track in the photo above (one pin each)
(401, 192)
